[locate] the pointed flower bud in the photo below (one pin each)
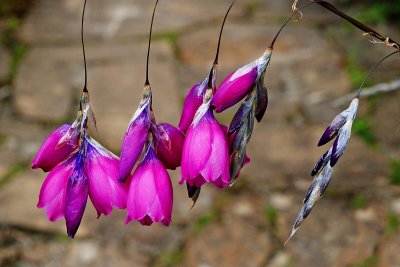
(239, 83)
(322, 162)
(168, 142)
(205, 156)
(193, 101)
(52, 151)
(314, 193)
(150, 196)
(135, 138)
(333, 129)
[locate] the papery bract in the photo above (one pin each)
(205, 156)
(135, 138)
(168, 143)
(193, 101)
(52, 152)
(150, 196)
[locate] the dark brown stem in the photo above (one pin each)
(83, 47)
(220, 33)
(148, 49)
(372, 70)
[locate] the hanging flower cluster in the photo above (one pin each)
(79, 168)
(207, 151)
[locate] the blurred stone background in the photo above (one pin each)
(315, 61)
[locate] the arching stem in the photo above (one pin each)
(220, 32)
(372, 70)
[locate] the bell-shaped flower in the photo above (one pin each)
(168, 142)
(239, 83)
(193, 101)
(92, 171)
(135, 137)
(205, 156)
(105, 191)
(150, 196)
(57, 147)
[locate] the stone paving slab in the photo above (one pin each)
(109, 20)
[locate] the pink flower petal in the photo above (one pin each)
(193, 101)
(133, 143)
(150, 194)
(53, 192)
(169, 151)
(51, 153)
(235, 87)
(77, 194)
(105, 190)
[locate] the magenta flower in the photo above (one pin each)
(58, 146)
(205, 156)
(168, 141)
(150, 196)
(92, 171)
(84, 169)
(135, 136)
(239, 83)
(193, 101)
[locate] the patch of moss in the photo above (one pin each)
(367, 262)
(394, 175)
(393, 222)
(358, 202)
(362, 127)
(170, 259)
(271, 215)
(11, 172)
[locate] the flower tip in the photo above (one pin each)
(71, 235)
(291, 235)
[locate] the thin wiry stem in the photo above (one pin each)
(148, 49)
(366, 29)
(83, 47)
(372, 70)
(287, 21)
(220, 32)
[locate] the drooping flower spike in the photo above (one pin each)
(205, 156)
(168, 139)
(195, 96)
(79, 168)
(339, 128)
(150, 196)
(195, 106)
